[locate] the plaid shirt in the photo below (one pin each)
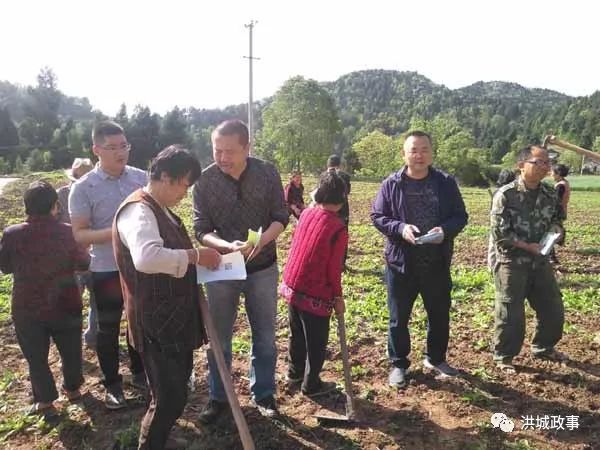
(230, 207)
(43, 257)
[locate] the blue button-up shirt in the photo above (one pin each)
(96, 196)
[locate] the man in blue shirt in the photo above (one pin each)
(415, 201)
(93, 202)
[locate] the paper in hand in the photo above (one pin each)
(548, 241)
(232, 267)
(435, 237)
(254, 236)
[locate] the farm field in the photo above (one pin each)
(428, 414)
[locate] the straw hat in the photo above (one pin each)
(80, 167)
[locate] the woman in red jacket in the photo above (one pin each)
(312, 284)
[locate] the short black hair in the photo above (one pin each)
(332, 189)
(105, 128)
(233, 127)
(419, 133)
(334, 161)
(177, 162)
(561, 170)
(39, 198)
(525, 153)
(505, 176)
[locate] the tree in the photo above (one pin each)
(143, 135)
(173, 129)
(4, 166)
(9, 135)
(121, 118)
(379, 155)
(41, 110)
(299, 126)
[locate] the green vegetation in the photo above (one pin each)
(367, 322)
(362, 116)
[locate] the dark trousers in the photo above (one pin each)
(309, 335)
(536, 282)
(34, 340)
(168, 374)
(109, 301)
(434, 284)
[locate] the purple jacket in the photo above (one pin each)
(389, 215)
(42, 255)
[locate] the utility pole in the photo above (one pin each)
(250, 58)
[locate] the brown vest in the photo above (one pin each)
(160, 309)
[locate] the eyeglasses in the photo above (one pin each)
(539, 162)
(112, 148)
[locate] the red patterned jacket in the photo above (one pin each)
(314, 265)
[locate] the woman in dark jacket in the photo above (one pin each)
(294, 193)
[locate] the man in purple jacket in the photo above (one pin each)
(416, 201)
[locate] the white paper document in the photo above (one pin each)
(232, 267)
(548, 241)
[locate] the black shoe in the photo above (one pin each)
(212, 411)
(114, 399)
(266, 406)
(291, 380)
(324, 387)
(139, 381)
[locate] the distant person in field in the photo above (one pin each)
(294, 195)
(157, 264)
(563, 191)
(235, 194)
(334, 163)
(46, 301)
(79, 168)
(522, 212)
(93, 202)
(312, 284)
(416, 200)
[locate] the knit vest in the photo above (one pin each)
(161, 309)
(305, 270)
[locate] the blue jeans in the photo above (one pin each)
(260, 293)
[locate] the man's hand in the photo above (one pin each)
(531, 247)
(241, 246)
(339, 306)
(209, 258)
(534, 248)
(408, 233)
(255, 250)
(437, 230)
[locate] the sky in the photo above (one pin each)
(191, 53)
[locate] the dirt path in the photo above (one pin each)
(5, 181)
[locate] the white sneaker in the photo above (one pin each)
(444, 369)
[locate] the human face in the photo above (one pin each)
(113, 153)
(418, 156)
(229, 154)
(534, 169)
(173, 191)
(297, 180)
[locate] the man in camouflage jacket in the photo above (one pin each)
(522, 212)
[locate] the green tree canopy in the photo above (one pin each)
(378, 154)
(299, 126)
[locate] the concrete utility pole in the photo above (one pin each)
(250, 26)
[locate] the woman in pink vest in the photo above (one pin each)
(312, 284)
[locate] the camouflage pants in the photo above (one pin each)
(535, 281)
